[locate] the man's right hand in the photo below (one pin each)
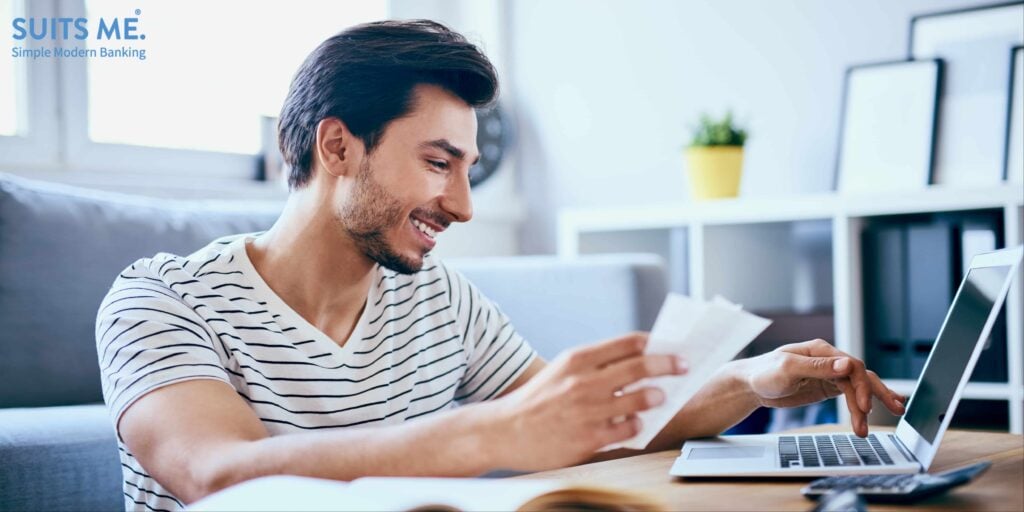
(575, 405)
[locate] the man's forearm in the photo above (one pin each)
(721, 403)
(455, 443)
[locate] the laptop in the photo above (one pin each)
(928, 414)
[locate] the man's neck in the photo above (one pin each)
(313, 267)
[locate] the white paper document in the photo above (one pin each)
(709, 334)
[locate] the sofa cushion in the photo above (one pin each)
(558, 303)
(60, 249)
(59, 458)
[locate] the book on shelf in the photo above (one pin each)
(296, 493)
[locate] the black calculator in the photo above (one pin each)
(905, 488)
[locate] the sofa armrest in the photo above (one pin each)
(59, 458)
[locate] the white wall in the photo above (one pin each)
(606, 91)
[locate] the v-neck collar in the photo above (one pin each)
(322, 343)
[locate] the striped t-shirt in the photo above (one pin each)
(424, 343)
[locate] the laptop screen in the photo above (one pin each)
(952, 351)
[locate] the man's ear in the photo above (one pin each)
(334, 146)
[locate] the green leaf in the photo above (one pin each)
(717, 132)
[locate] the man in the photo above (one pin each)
(333, 345)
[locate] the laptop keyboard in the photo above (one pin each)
(831, 450)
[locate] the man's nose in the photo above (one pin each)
(457, 200)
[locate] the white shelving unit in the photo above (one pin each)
(798, 254)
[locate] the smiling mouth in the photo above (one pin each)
(427, 231)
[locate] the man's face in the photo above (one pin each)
(415, 183)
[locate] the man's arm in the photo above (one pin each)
(720, 404)
(199, 436)
(792, 375)
(535, 367)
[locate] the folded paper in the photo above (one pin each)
(708, 334)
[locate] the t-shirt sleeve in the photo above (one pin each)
(147, 338)
(496, 355)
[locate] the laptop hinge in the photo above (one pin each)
(903, 448)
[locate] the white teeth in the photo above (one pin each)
(424, 228)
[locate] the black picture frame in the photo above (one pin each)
(950, 158)
(950, 12)
(844, 114)
(1010, 90)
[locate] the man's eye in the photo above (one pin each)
(440, 164)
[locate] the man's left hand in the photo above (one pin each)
(808, 372)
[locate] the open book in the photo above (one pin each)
(294, 493)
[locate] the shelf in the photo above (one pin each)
(788, 209)
(932, 199)
(974, 390)
(801, 252)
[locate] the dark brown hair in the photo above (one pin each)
(365, 76)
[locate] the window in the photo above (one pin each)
(28, 95)
(196, 88)
(13, 120)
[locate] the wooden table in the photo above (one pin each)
(1000, 488)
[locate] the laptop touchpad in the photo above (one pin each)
(727, 452)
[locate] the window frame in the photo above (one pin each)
(38, 147)
(92, 156)
(57, 140)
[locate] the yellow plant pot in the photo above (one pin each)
(714, 171)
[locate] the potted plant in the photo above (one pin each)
(715, 158)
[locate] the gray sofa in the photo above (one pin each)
(61, 247)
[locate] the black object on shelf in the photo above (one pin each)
(929, 278)
(930, 285)
(912, 267)
(884, 271)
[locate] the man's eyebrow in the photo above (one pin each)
(448, 147)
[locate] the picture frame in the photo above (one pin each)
(1013, 159)
(973, 44)
(887, 126)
